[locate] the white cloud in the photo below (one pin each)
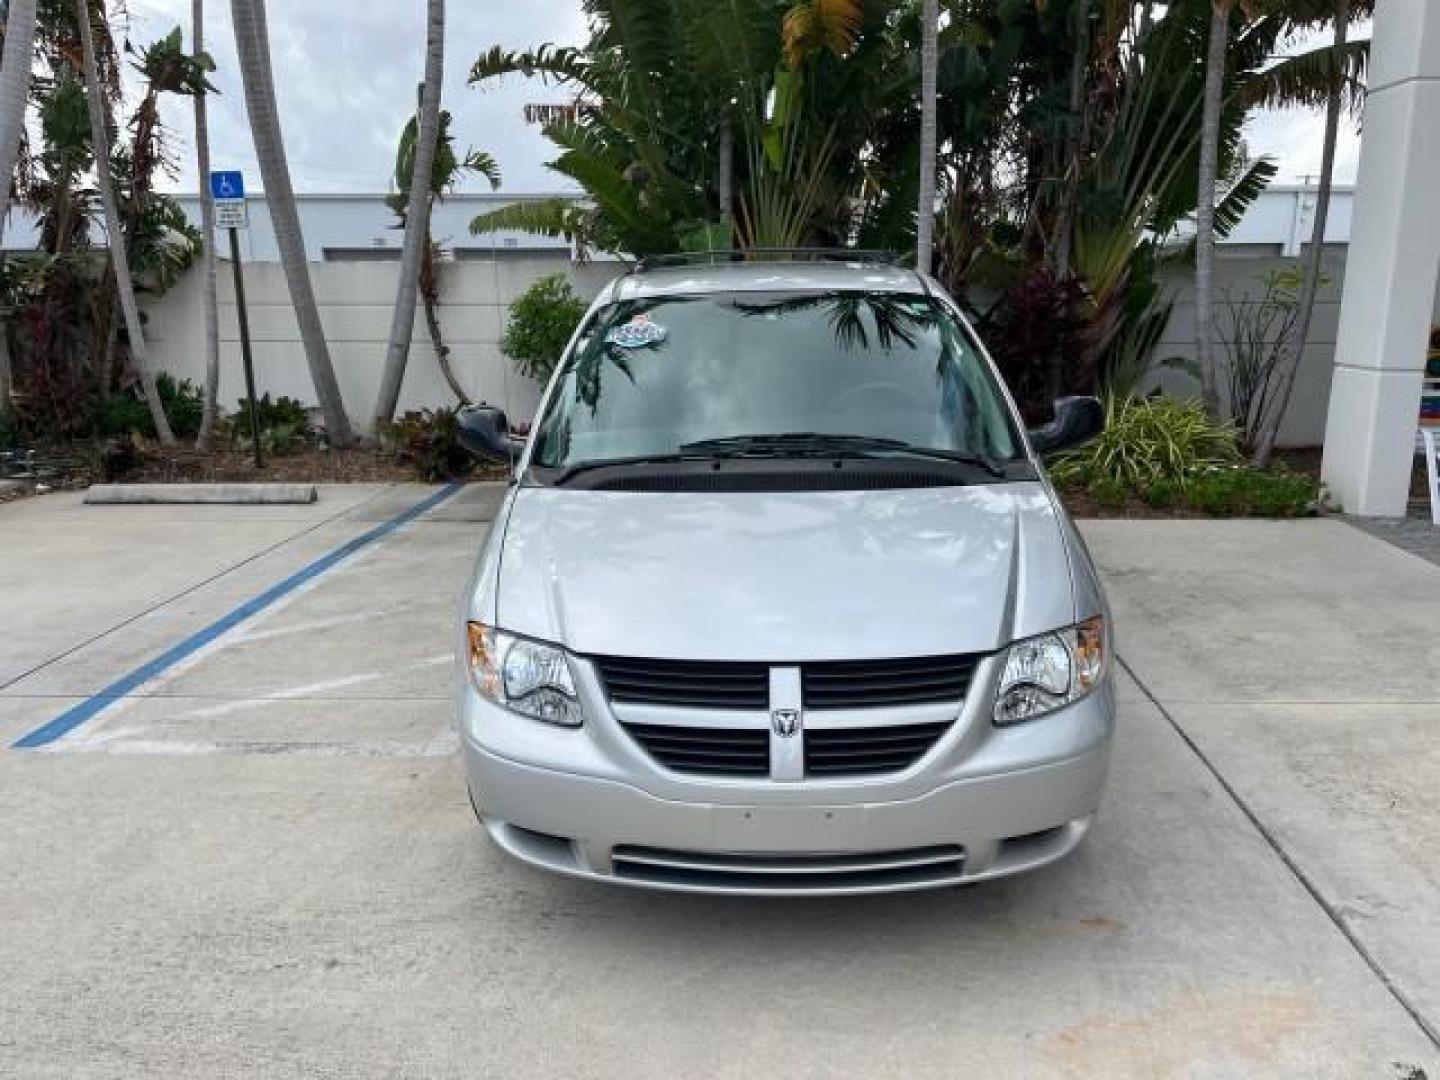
(345, 73)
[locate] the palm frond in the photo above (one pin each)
(1243, 192)
(1308, 79)
(814, 25)
(551, 63)
(478, 161)
(545, 217)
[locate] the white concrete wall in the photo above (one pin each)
(1241, 278)
(356, 300)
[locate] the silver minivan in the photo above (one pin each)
(780, 600)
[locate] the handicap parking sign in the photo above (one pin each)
(227, 185)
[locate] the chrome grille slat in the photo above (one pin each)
(722, 751)
(685, 682)
(838, 684)
(791, 874)
(858, 751)
(762, 863)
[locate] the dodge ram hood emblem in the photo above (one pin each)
(785, 722)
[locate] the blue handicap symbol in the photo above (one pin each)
(227, 185)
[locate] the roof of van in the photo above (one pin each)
(779, 276)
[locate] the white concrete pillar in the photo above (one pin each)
(1391, 270)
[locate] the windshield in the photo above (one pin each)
(878, 372)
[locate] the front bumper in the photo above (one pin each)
(984, 803)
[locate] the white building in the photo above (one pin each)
(358, 228)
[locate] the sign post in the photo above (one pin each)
(227, 190)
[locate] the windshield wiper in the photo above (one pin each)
(808, 443)
(573, 470)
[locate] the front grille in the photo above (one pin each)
(825, 684)
(862, 750)
(722, 751)
(877, 871)
(859, 684)
(703, 683)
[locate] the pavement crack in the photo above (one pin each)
(1332, 913)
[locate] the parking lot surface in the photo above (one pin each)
(236, 838)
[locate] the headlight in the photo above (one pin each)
(1047, 672)
(527, 677)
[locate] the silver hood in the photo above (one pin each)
(784, 576)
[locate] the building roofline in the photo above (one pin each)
(371, 196)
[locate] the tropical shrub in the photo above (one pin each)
(278, 412)
(126, 413)
(429, 440)
(122, 414)
(284, 424)
(1257, 336)
(1246, 492)
(184, 404)
(1148, 441)
(542, 320)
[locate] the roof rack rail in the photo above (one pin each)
(766, 255)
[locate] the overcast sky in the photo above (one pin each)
(346, 70)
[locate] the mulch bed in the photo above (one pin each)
(75, 467)
(189, 466)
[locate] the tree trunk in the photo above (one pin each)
(14, 91)
(726, 179)
(1070, 181)
(1205, 212)
(115, 238)
(7, 379)
(1314, 256)
(430, 297)
(209, 302)
(252, 46)
(929, 60)
(417, 215)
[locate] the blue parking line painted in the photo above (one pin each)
(92, 706)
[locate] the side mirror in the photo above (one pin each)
(1077, 421)
(485, 432)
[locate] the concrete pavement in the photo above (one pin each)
(262, 862)
(1302, 660)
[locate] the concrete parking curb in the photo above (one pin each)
(219, 494)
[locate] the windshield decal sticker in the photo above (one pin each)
(638, 333)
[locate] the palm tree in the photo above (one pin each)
(929, 61)
(209, 302)
(14, 91)
(14, 95)
(446, 171)
(252, 46)
(417, 215)
(1213, 104)
(119, 257)
(1305, 307)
